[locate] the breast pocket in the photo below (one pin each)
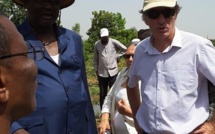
(181, 77)
(71, 68)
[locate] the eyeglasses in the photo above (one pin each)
(154, 14)
(35, 53)
(127, 56)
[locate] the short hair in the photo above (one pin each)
(143, 33)
(4, 40)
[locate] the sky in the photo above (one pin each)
(196, 16)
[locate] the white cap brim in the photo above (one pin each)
(159, 4)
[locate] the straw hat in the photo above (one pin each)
(63, 3)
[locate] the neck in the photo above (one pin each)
(4, 125)
(163, 43)
(46, 34)
(43, 30)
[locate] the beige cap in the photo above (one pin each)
(148, 4)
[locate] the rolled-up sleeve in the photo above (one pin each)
(14, 127)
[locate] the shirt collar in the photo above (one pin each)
(176, 42)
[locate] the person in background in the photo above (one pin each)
(105, 61)
(18, 75)
(116, 106)
(63, 101)
(143, 33)
(173, 67)
(135, 41)
(211, 94)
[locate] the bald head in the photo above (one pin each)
(4, 36)
(17, 74)
(131, 47)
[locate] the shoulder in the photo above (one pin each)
(67, 32)
(123, 72)
(24, 28)
(144, 45)
(114, 40)
(98, 42)
(192, 38)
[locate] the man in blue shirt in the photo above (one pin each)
(63, 101)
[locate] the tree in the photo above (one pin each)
(115, 24)
(213, 41)
(125, 36)
(15, 13)
(76, 28)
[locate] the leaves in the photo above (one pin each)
(76, 28)
(115, 23)
(213, 41)
(15, 13)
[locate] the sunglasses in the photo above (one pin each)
(154, 14)
(127, 56)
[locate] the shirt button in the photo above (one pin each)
(67, 90)
(69, 110)
(69, 131)
(60, 71)
(26, 126)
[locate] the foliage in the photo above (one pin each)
(14, 12)
(115, 24)
(213, 41)
(76, 28)
(125, 36)
(17, 13)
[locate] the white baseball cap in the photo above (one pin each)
(148, 4)
(104, 32)
(135, 41)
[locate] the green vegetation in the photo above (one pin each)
(14, 12)
(113, 21)
(213, 41)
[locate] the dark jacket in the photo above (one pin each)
(63, 101)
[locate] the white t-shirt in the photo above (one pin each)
(56, 59)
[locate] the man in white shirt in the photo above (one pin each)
(105, 61)
(173, 67)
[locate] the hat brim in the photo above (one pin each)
(159, 4)
(63, 3)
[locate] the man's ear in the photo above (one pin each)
(4, 92)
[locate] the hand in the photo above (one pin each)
(124, 108)
(21, 131)
(103, 126)
(205, 128)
